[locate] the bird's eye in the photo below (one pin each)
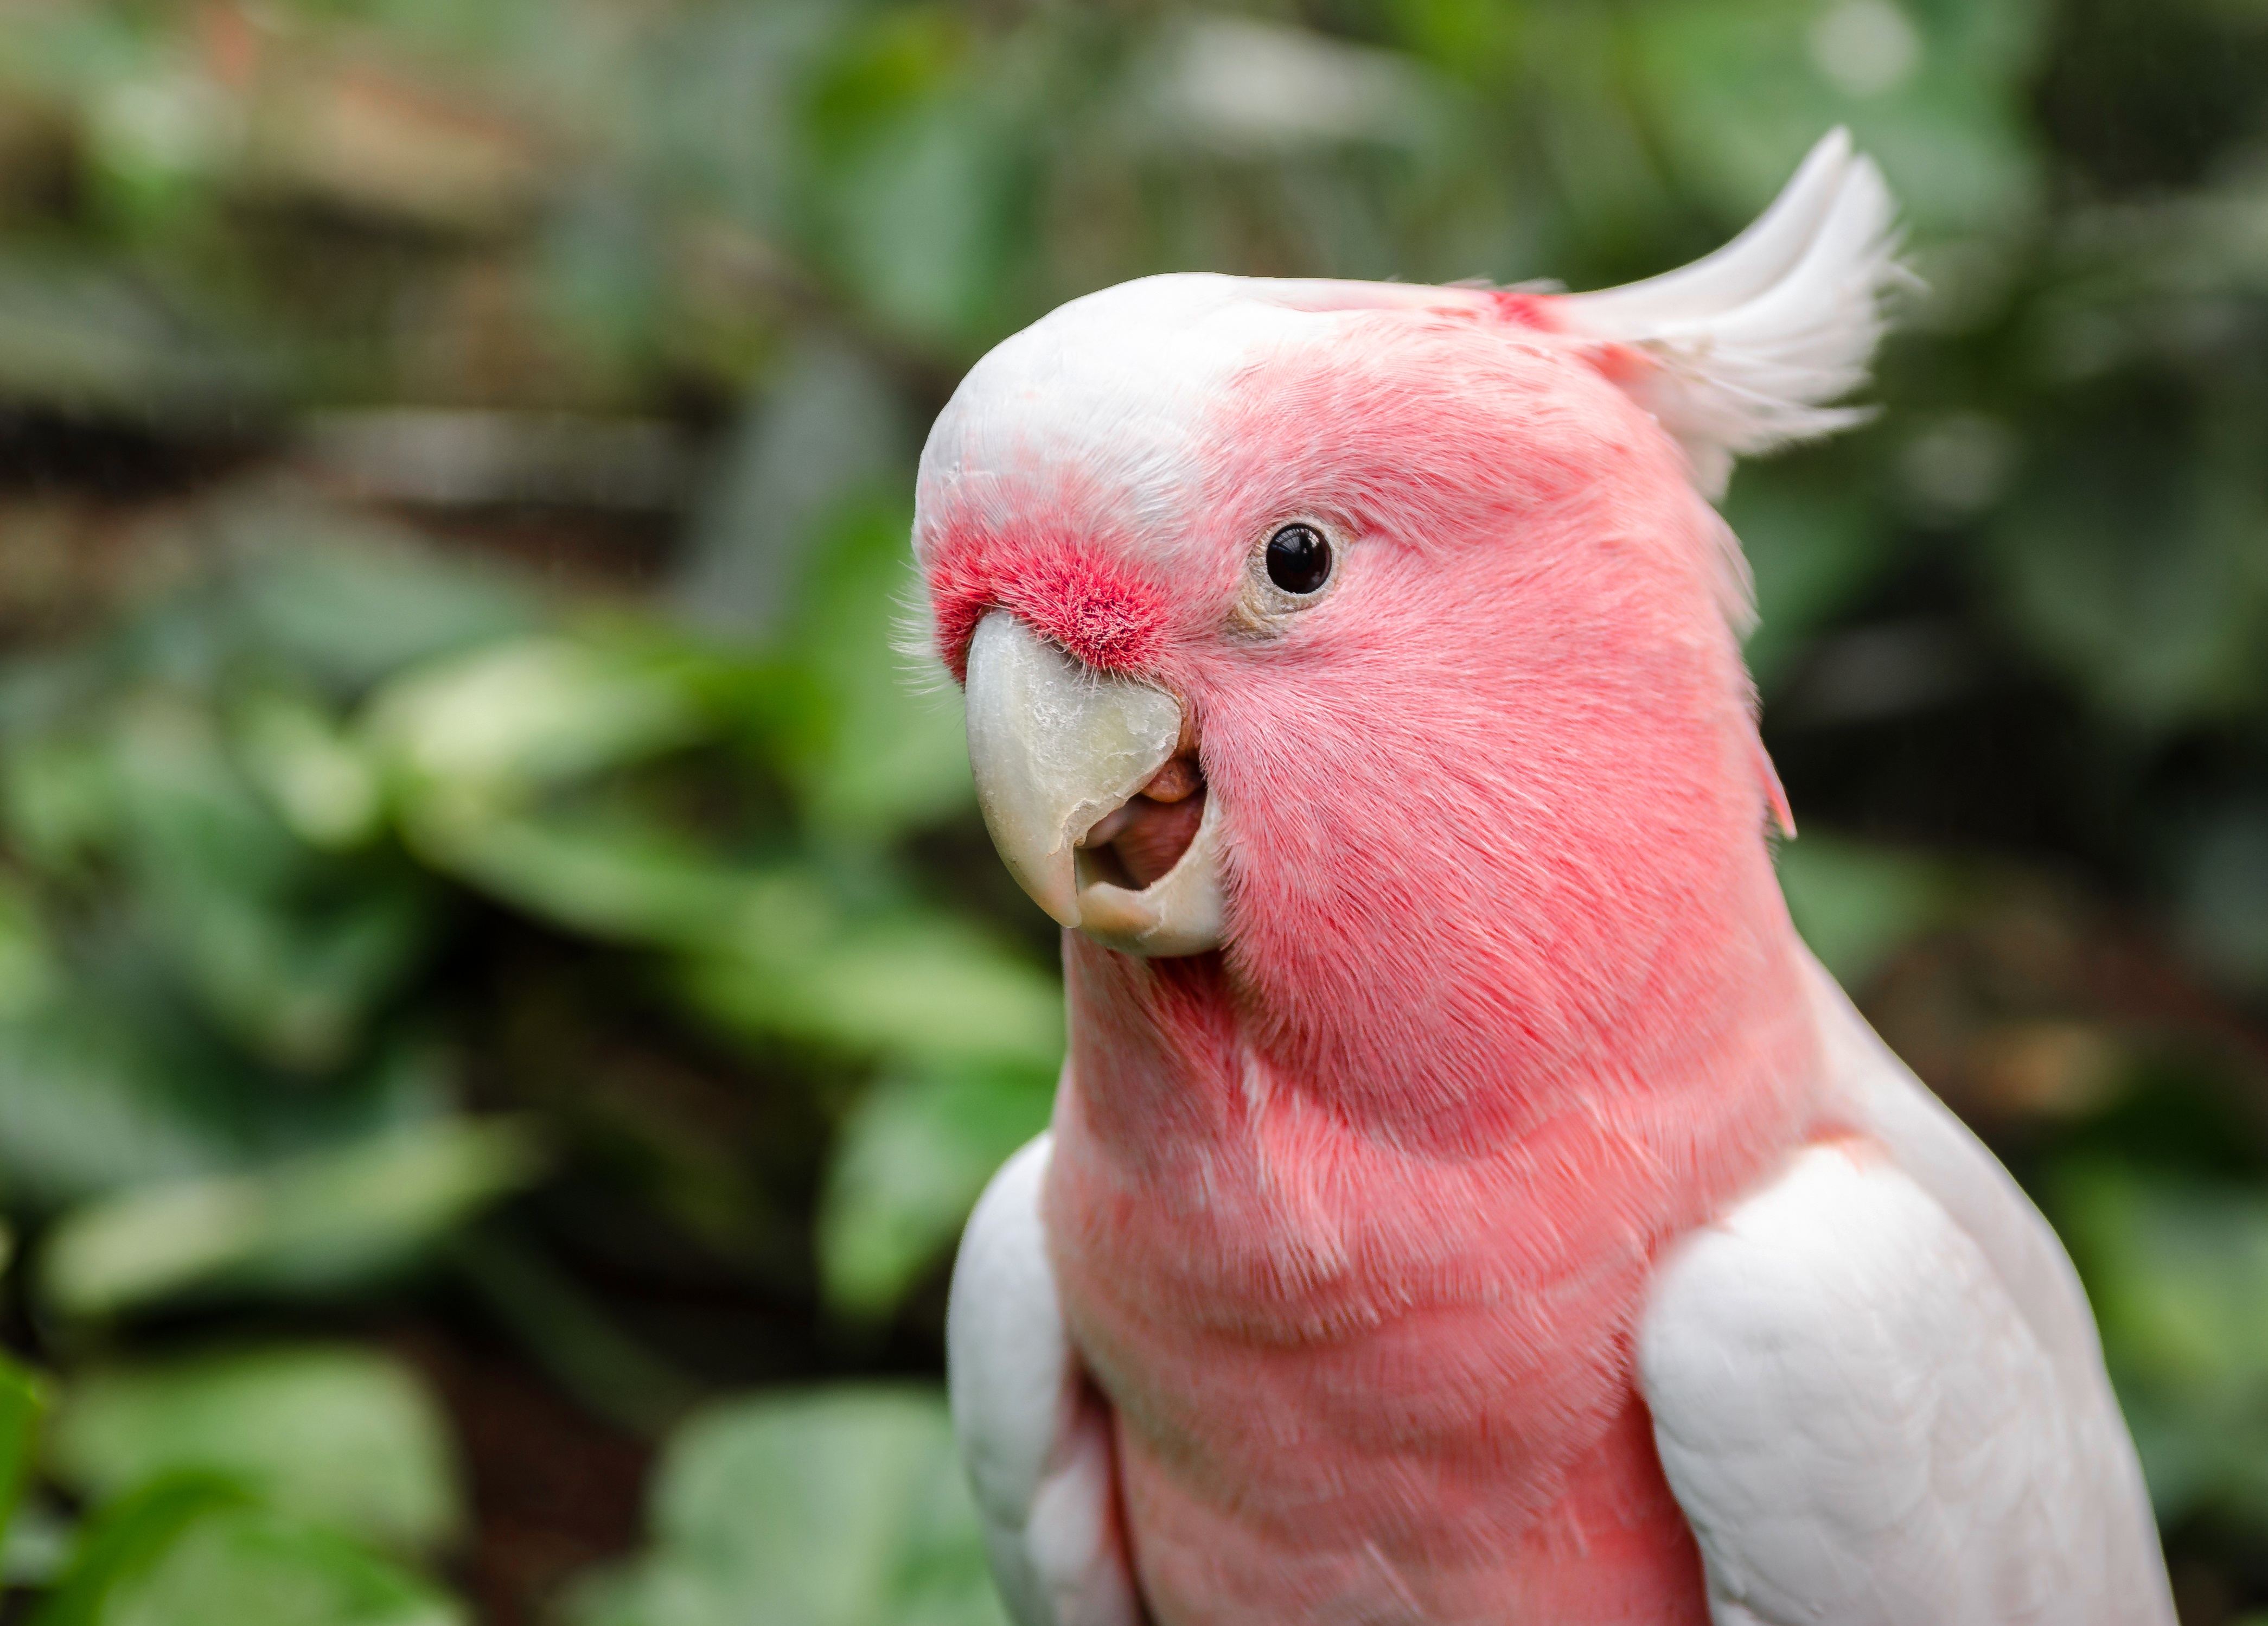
(1298, 559)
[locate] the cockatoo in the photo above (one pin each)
(1466, 1201)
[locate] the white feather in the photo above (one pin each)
(1749, 346)
(1878, 1397)
(1034, 1438)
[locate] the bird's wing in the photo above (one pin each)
(1034, 1436)
(1878, 1397)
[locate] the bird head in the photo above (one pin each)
(1363, 631)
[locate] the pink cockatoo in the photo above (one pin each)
(1466, 1201)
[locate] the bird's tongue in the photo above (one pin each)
(1146, 837)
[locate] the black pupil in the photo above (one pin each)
(1298, 559)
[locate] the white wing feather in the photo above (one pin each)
(1034, 1436)
(1751, 343)
(1879, 1397)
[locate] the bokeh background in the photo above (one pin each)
(504, 998)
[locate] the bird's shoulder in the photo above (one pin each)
(1007, 1350)
(1842, 1396)
(1035, 1437)
(1877, 1392)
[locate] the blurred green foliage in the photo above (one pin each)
(196, 1549)
(342, 1435)
(471, 857)
(834, 1508)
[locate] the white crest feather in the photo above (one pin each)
(1751, 344)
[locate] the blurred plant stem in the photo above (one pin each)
(557, 1324)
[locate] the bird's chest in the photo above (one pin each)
(1355, 1382)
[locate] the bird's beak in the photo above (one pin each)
(1057, 747)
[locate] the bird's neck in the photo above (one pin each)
(1466, 1252)
(1695, 1027)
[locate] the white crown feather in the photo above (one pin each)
(1751, 344)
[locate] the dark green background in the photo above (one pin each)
(504, 999)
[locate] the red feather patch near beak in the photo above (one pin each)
(1095, 609)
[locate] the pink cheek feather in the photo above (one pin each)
(1515, 734)
(1455, 773)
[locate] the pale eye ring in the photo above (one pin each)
(1298, 559)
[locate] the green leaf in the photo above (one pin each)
(825, 428)
(87, 1106)
(949, 174)
(79, 337)
(29, 975)
(38, 1545)
(891, 754)
(914, 985)
(194, 1550)
(189, 819)
(314, 1223)
(1857, 905)
(612, 1373)
(117, 1551)
(342, 1435)
(286, 951)
(320, 782)
(2134, 564)
(604, 877)
(2223, 867)
(297, 986)
(494, 726)
(908, 1165)
(59, 801)
(1811, 550)
(353, 600)
(840, 1507)
(2178, 1274)
(1933, 89)
(25, 1397)
(249, 1567)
